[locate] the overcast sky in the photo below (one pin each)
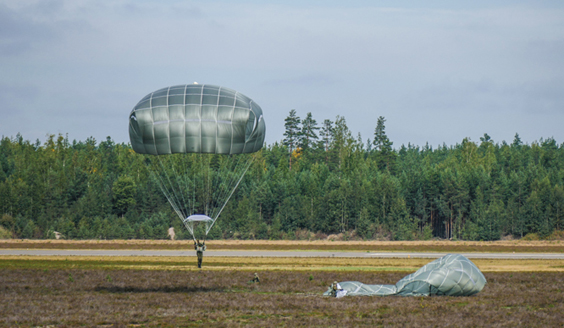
(438, 71)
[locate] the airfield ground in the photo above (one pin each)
(170, 291)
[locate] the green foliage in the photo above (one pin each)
(531, 236)
(292, 132)
(308, 135)
(4, 233)
(123, 194)
(335, 184)
(426, 233)
(364, 228)
(385, 156)
(7, 222)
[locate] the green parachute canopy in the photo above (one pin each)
(196, 118)
(451, 275)
(205, 134)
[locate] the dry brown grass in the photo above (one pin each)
(165, 298)
(544, 246)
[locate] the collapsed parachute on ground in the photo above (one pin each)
(450, 275)
(208, 134)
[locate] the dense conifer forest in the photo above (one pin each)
(319, 180)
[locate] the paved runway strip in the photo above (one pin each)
(55, 252)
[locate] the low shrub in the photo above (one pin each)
(556, 235)
(531, 236)
(5, 234)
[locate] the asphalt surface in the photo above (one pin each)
(55, 252)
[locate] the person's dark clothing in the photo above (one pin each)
(200, 248)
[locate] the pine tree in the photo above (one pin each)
(486, 138)
(123, 194)
(308, 136)
(327, 136)
(383, 145)
(381, 141)
(292, 126)
(517, 141)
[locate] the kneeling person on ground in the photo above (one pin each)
(255, 278)
(336, 290)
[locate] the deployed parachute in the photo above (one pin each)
(451, 275)
(207, 133)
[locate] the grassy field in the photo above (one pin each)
(518, 246)
(261, 263)
(171, 292)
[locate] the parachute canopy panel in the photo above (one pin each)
(196, 118)
(450, 275)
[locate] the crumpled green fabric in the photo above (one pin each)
(450, 275)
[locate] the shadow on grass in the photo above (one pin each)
(164, 289)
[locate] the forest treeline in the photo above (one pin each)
(318, 180)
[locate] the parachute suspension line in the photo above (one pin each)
(193, 188)
(171, 197)
(188, 182)
(231, 184)
(231, 194)
(203, 180)
(172, 203)
(245, 167)
(190, 227)
(199, 173)
(164, 188)
(188, 204)
(211, 184)
(167, 194)
(174, 188)
(183, 185)
(194, 196)
(218, 177)
(209, 190)
(221, 189)
(218, 191)
(226, 187)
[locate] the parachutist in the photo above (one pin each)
(200, 248)
(335, 288)
(200, 151)
(255, 278)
